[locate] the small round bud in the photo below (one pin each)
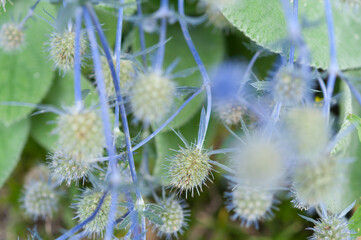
(151, 97)
(40, 200)
(230, 113)
(38, 173)
(189, 169)
(249, 204)
(12, 37)
(316, 181)
(289, 85)
(81, 133)
(126, 76)
(331, 227)
(65, 168)
(173, 217)
(62, 49)
(87, 204)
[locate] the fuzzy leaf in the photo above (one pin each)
(153, 217)
(12, 142)
(25, 76)
(61, 94)
(264, 22)
(355, 222)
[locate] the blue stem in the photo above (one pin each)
(77, 58)
(72, 231)
(162, 37)
(333, 68)
(141, 33)
(200, 64)
(30, 13)
(292, 50)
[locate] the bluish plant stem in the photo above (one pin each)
(141, 33)
(200, 64)
(117, 50)
(72, 231)
(77, 57)
(106, 125)
(153, 134)
(292, 50)
(333, 68)
(162, 36)
(250, 66)
(30, 13)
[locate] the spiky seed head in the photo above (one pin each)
(173, 217)
(230, 112)
(87, 204)
(316, 182)
(12, 37)
(126, 75)
(331, 227)
(40, 200)
(189, 169)
(249, 204)
(38, 173)
(260, 161)
(307, 130)
(62, 49)
(151, 97)
(290, 85)
(80, 133)
(66, 168)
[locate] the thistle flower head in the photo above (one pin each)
(88, 202)
(189, 169)
(151, 97)
(66, 168)
(290, 85)
(40, 200)
(38, 173)
(173, 217)
(230, 113)
(80, 133)
(126, 75)
(62, 48)
(249, 204)
(307, 130)
(12, 37)
(316, 181)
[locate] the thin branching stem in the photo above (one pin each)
(141, 33)
(293, 47)
(77, 57)
(30, 13)
(162, 36)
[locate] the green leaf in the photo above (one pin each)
(25, 76)
(153, 217)
(61, 94)
(12, 142)
(263, 22)
(355, 223)
(126, 221)
(154, 207)
(209, 44)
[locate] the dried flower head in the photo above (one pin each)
(12, 37)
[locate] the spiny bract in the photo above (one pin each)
(126, 75)
(249, 204)
(331, 227)
(189, 169)
(87, 204)
(40, 200)
(173, 218)
(12, 37)
(80, 133)
(62, 49)
(65, 168)
(289, 85)
(151, 97)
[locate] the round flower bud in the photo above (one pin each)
(173, 217)
(126, 76)
(331, 227)
(230, 113)
(40, 200)
(249, 204)
(87, 204)
(38, 173)
(12, 37)
(307, 130)
(316, 182)
(289, 85)
(189, 169)
(65, 168)
(62, 49)
(81, 133)
(151, 97)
